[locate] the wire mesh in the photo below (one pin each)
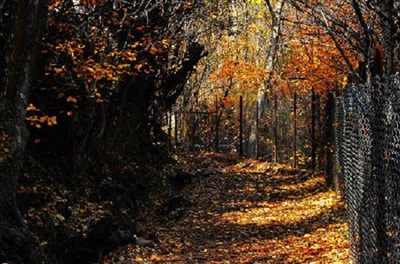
(367, 137)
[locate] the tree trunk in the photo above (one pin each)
(295, 129)
(313, 134)
(169, 130)
(276, 22)
(21, 25)
(330, 141)
(241, 126)
(390, 32)
(176, 129)
(257, 131)
(217, 122)
(319, 130)
(276, 147)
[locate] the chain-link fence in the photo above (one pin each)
(368, 162)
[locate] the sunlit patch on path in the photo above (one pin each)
(250, 215)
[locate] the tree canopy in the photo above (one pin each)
(98, 98)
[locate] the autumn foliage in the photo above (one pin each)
(101, 100)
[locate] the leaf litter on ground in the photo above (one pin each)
(249, 212)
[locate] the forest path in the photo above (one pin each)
(251, 212)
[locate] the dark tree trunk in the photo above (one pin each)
(313, 129)
(21, 24)
(131, 136)
(217, 122)
(295, 130)
(320, 133)
(276, 147)
(241, 126)
(330, 141)
(390, 33)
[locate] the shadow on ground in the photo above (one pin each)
(251, 217)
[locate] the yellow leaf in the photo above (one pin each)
(90, 69)
(31, 107)
(139, 259)
(53, 120)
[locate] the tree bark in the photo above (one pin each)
(389, 31)
(257, 131)
(313, 134)
(276, 140)
(241, 126)
(330, 141)
(295, 129)
(276, 22)
(22, 26)
(217, 122)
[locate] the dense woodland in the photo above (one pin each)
(101, 102)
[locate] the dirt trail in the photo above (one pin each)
(251, 213)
